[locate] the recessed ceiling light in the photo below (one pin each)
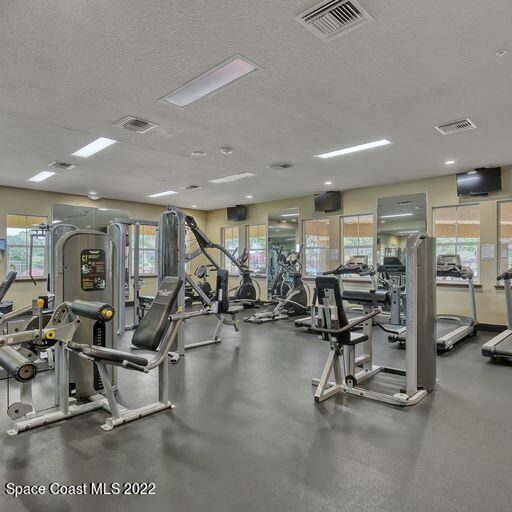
(41, 176)
(230, 70)
(328, 183)
(161, 194)
(94, 147)
(449, 162)
(194, 206)
(93, 196)
(197, 153)
(233, 177)
(500, 53)
(353, 149)
(249, 197)
(392, 216)
(227, 150)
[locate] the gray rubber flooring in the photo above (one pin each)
(246, 436)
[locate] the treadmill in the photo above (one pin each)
(501, 345)
(453, 328)
(356, 266)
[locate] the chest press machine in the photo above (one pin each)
(351, 371)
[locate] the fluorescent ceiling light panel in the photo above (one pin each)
(289, 215)
(354, 149)
(232, 69)
(94, 147)
(392, 216)
(233, 177)
(161, 194)
(449, 162)
(41, 176)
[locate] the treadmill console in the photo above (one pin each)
(450, 265)
(391, 265)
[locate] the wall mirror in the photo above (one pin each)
(397, 218)
(86, 217)
(283, 239)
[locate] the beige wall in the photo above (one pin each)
(441, 192)
(33, 202)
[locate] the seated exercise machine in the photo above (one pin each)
(501, 345)
(453, 328)
(355, 266)
(351, 371)
(295, 303)
(172, 262)
(283, 278)
(201, 272)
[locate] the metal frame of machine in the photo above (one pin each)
(420, 373)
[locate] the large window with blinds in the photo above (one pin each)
(357, 237)
(18, 245)
(316, 242)
(230, 239)
(257, 248)
(457, 231)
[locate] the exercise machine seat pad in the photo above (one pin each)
(367, 296)
(152, 327)
(109, 355)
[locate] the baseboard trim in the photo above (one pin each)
(491, 327)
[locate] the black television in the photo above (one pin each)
(238, 212)
(328, 201)
(479, 182)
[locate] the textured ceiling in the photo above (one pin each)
(69, 70)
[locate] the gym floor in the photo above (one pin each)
(246, 435)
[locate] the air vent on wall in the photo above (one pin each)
(334, 18)
(463, 125)
(281, 165)
(135, 125)
(64, 166)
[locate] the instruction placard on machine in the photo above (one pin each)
(93, 271)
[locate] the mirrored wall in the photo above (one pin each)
(397, 218)
(86, 217)
(283, 239)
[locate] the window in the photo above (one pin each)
(457, 231)
(231, 241)
(316, 246)
(505, 235)
(147, 249)
(18, 243)
(357, 237)
(257, 248)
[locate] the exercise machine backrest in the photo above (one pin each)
(329, 293)
(152, 327)
(221, 293)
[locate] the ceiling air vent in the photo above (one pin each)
(334, 18)
(63, 166)
(456, 126)
(281, 165)
(135, 125)
(191, 187)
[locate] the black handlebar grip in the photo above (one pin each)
(93, 310)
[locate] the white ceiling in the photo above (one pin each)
(69, 70)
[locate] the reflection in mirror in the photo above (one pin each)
(283, 241)
(397, 218)
(86, 217)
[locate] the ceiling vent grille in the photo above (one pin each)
(135, 125)
(281, 165)
(191, 187)
(463, 125)
(334, 18)
(63, 166)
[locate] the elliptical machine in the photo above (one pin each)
(296, 301)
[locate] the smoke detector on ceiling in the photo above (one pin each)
(135, 125)
(333, 18)
(281, 165)
(463, 125)
(227, 150)
(63, 166)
